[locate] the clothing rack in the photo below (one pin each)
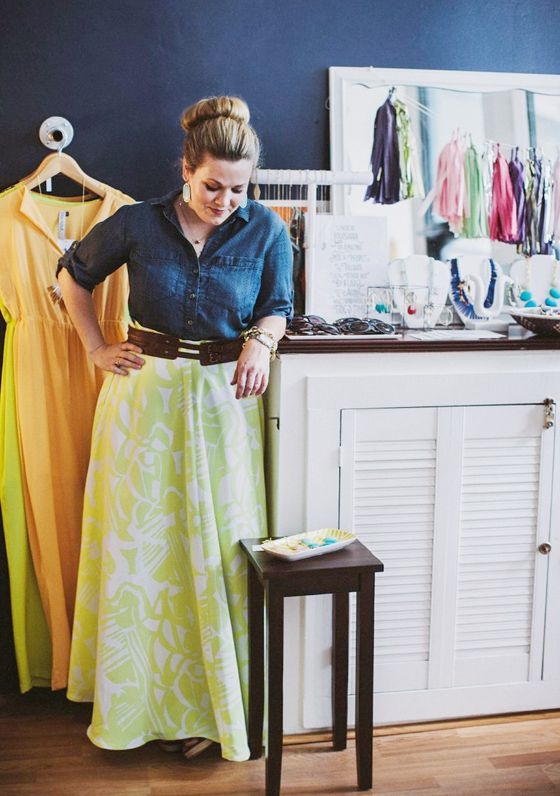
(309, 177)
(317, 178)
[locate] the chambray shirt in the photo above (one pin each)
(244, 272)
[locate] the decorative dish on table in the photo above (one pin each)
(537, 320)
(309, 543)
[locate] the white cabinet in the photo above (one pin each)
(444, 465)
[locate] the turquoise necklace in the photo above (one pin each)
(526, 296)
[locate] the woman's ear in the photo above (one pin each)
(186, 172)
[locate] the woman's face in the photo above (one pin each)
(218, 187)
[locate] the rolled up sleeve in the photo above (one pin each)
(277, 289)
(103, 250)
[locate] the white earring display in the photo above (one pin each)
(417, 282)
(186, 193)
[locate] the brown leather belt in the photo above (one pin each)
(211, 352)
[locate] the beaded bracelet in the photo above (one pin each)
(263, 336)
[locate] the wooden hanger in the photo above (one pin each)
(61, 163)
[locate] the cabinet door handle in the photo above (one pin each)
(544, 548)
(549, 412)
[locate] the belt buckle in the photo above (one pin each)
(211, 353)
(215, 352)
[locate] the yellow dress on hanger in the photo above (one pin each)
(50, 391)
(31, 637)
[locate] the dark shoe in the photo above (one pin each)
(171, 746)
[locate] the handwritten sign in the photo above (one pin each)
(347, 253)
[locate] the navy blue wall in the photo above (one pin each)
(122, 70)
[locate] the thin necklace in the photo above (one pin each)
(198, 241)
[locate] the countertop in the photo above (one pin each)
(453, 339)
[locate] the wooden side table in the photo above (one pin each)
(270, 580)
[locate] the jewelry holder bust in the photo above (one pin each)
(418, 282)
(535, 283)
(477, 291)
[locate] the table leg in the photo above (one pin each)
(275, 689)
(339, 696)
(364, 681)
(255, 598)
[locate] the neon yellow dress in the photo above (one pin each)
(49, 391)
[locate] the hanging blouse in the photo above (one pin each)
(411, 182)
(503, 214)
(475, 222)
(449, 192)
(538, 235)
(555, 202)
(530, 231)
(542, 194)
(487, 159)
(53, 395)
(385, 165)
(517, 177)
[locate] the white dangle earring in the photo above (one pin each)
(186, 193)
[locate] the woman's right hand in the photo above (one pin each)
(117, 358)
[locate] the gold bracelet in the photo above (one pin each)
(262, 336)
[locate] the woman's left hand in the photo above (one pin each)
(252, 370)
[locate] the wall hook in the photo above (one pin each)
(56, 132)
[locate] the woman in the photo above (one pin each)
(176, 472)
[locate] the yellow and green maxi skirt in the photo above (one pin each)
(160, 629)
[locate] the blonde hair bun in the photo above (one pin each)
(219, 127)
(215, 108)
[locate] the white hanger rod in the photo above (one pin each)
(309, 177)
(56, 132)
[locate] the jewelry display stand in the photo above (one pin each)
(477, 292)
(535, 282)
(418, 282)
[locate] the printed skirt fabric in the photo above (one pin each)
(160, 629)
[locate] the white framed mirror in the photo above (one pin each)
(511, 109)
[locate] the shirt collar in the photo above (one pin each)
(166, 202)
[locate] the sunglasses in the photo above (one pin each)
(317, 325)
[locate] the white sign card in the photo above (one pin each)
(348, 254)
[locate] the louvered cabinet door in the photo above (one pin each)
(506, 493)
(454, 501)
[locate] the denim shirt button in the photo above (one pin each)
(190, 323)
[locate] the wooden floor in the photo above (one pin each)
(44, 752)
